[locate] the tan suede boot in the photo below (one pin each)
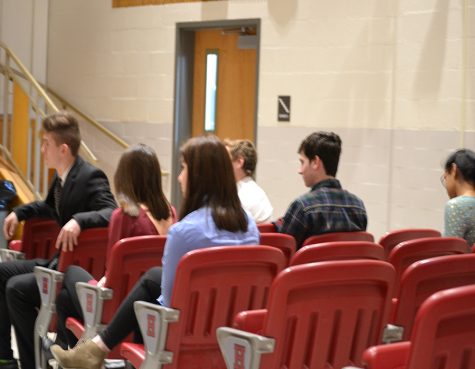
(86, 355)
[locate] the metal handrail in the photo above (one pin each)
(29, 77)
(89, 119)
(78, 111)
(40, 103)
(24, 73)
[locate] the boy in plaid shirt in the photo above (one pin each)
(327, 207)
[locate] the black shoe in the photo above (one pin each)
(10, 364)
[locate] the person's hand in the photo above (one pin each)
(68, 236)
(10, 225)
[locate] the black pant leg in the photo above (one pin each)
(8, 270)
(68, 305)
(148, 289)
(23, 301)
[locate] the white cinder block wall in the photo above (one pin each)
(395, 78)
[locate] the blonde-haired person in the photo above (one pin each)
(253, 198)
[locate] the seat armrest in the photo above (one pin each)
(75, 326)
(242, 349)
(153, 321)
(10, 255)
(393, 333)
(92, 297)
(390, 356)
(47, 280)
(133, 352)
(250, 320)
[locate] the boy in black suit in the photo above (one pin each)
(79, 198)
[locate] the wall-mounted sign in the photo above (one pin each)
(283, 108)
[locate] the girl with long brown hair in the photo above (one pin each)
(211, 215)
(144, 210)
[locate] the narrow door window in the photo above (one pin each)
(211, 90)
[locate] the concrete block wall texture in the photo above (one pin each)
(23, 27)
(395, 78)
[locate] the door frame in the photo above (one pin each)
(183, 89)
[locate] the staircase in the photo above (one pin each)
(23, 105)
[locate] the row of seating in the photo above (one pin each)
(400, 257)
(443, 338)
(45, 232)
(318, 315)
(96, 299)
(450, 270)
(388, 241)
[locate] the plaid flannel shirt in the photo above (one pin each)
(326, 208)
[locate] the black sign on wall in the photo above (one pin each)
(283, 108)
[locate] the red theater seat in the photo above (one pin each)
(266, 228)
(211, 286)
(90, 254)
(286, 243)
(408, 252)
(393, 238)
(443, 336)
(319, 315)
(339, 236)
(340, 250)
(425, 277)
(38, 241)
(130, 258)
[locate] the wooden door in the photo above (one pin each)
(236, 85)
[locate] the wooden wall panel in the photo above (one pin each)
(20, 126)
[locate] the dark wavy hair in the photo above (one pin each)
(325, 145)
(464, 159)
(138, 180)
(211, 183)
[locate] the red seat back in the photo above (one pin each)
(89, 254)
(392, 238)
(210, 287)
(425, 277)
(339, 236)
(342, 250)
(324, 315)
(266, 227)
(285, 242)
(39, 238)
(130, 259)
(408, 252)
(444, 331)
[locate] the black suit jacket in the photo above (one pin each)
(86, 197)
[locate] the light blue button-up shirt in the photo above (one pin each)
(196, 231)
